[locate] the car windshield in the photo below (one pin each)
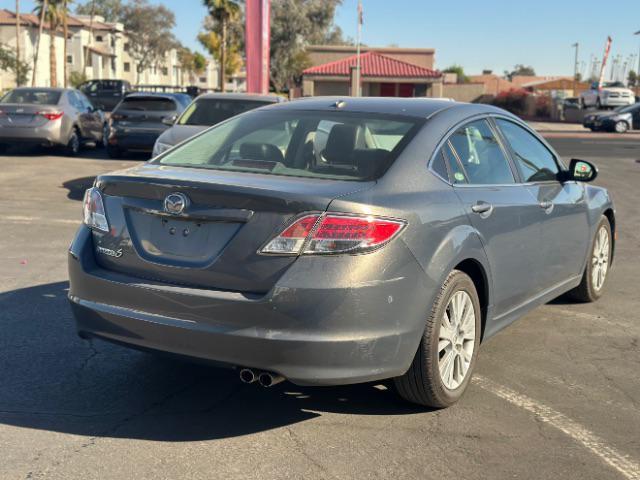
(32, 96)
(154, 104)
(210, 111)
(336, 145)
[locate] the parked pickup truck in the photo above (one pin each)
(105, 94)
(609, 94)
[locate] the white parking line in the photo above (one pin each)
(24, 219)
(625, 466)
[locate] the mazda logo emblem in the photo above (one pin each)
(176, 203)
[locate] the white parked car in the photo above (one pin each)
(612, 94)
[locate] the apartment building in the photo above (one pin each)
(99, 48)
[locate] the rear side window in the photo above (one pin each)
(32, 96)
(320, 144)
(535, 162)
(482, 160)
(210, 111)
(151, 104)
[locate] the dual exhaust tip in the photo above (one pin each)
(265, 379)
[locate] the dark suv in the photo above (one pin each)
(105, 93)
(140, 118)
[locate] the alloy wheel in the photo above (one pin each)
(457, 339)
(621, 127)
(600, 259)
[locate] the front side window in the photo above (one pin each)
(319, 144)
(535, 162)
(482, 159)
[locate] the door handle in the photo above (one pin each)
(482, 208)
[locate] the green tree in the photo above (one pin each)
(110, 10)
(149, 34)
(633, 78)
(520, 70)
(9, 63)
(191, 63)
(459, 71)
(222, 15)
(54, 13)
(294, 25)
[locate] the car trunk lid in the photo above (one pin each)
(215, 241)
(16, 115)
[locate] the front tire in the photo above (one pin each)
(596, 272)
(621, 127)
(442, 367)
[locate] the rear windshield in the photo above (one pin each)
(336, 145)
(32, 96)
(152, 104)
(209, 111)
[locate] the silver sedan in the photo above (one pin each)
(51, 117)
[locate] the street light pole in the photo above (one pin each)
(638, 71)
(575, 69)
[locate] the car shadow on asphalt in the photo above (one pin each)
(87, 152)
(77, 186)
(52, 380)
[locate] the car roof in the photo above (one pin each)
(421, 107)
(243, 96)
(156, 94)
(49, 89)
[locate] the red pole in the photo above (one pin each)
(257, 41)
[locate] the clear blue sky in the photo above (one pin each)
(476, 34)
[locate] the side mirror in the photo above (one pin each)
(170, 120)
(580, 171)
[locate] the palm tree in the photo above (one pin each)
(222, 12)
(35, 56)
(52, 12)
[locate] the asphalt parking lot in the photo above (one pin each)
(557, 395)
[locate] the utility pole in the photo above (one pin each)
(638, 71)
(65, 28)
(18, 69)
(356, 88)
(575, 69)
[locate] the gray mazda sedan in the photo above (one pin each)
(332, 241)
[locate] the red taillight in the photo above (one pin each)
(335, 233)
(51, 115)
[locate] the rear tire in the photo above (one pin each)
(594, 277)
(104, 141)
(443, 365)
(114, 152)
(73, 145)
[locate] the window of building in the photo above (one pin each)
(98, 38)
(69, 59)
(203, 79)
(482, 159)
(90, 60)
(165, 71)
(126, 47)
(127, 67)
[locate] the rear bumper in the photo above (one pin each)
(312, 328)
(134, 140)
(31, 135)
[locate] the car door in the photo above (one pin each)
(80, 114)
(502, 211)
(562, 212)
(93, 117)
